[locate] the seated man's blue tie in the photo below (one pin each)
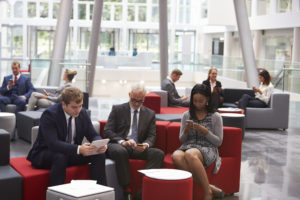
(134, 128)
(69, 131)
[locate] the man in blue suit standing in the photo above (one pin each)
(59, 142)
(16, 89)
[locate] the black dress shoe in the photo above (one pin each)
(127, 196)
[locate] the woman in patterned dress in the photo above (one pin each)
(201, 134)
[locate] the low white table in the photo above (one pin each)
(234, 120)
(80, 191)
(8, 122)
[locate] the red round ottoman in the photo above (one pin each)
(168, 184)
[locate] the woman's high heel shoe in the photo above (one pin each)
(220, 194)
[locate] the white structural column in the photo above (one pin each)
(96, 24)
(246, 42)
(60, 41)
(228, 41)
(257, 43)
(163, 38)
(296, 45)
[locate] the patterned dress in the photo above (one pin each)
(195, 139)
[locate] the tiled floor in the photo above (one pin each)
(270, 158)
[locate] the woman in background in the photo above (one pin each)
(201, 133)
(215, 88)
(262, 94)
(48, 99)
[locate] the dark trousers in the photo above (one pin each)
(216, 100)
(121, 155)
(248, 101)
(13, 99)
(58, 162)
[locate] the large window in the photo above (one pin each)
(284, 6)
(184, 11)
(106, 12)
(263, 7)
(184, 47)
(55, 10)
(18, 9)
(12, 41)
(43, 10)
(45, 38)
(31, 9)
(144, 41)
(82, 11)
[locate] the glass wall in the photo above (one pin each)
(12, 41)
(284, 6)
(263, 7)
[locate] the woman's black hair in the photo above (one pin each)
(204, 90)
(265, 74)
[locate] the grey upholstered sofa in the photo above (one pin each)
(12, 107)
(275, 116)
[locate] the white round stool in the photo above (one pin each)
(8, 122)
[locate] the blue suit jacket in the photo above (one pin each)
(53, 132)
(22, 87)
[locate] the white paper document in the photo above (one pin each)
(99, 143)
(80, 188)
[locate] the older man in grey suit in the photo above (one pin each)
(131, 129)
(173, 97)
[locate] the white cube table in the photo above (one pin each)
(80, 191)
(8, 122)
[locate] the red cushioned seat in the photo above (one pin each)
(153, 101)
(161, 135)
(36, 181)
(156, 189)
(230, 153)
(136, 177)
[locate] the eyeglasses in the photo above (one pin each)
(136, 101)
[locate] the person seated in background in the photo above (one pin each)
(16, 89)
(215, 88)
(201, 133)
(173, 97)
(112, 51)
(262, 94)
(134, 52)
(48, 99)
(131, 129)
(59, 142)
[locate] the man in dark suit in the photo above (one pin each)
(16, 89)
(168, 85)
(131, 129)
(59, 143)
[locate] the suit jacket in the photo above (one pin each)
(23, 86)
(207, 83)
(53, 132)
(173, 96)
(119, 120)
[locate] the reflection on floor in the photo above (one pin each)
(270, 158)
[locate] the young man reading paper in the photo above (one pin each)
(59, 143)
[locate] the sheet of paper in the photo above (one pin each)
(99, 143)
